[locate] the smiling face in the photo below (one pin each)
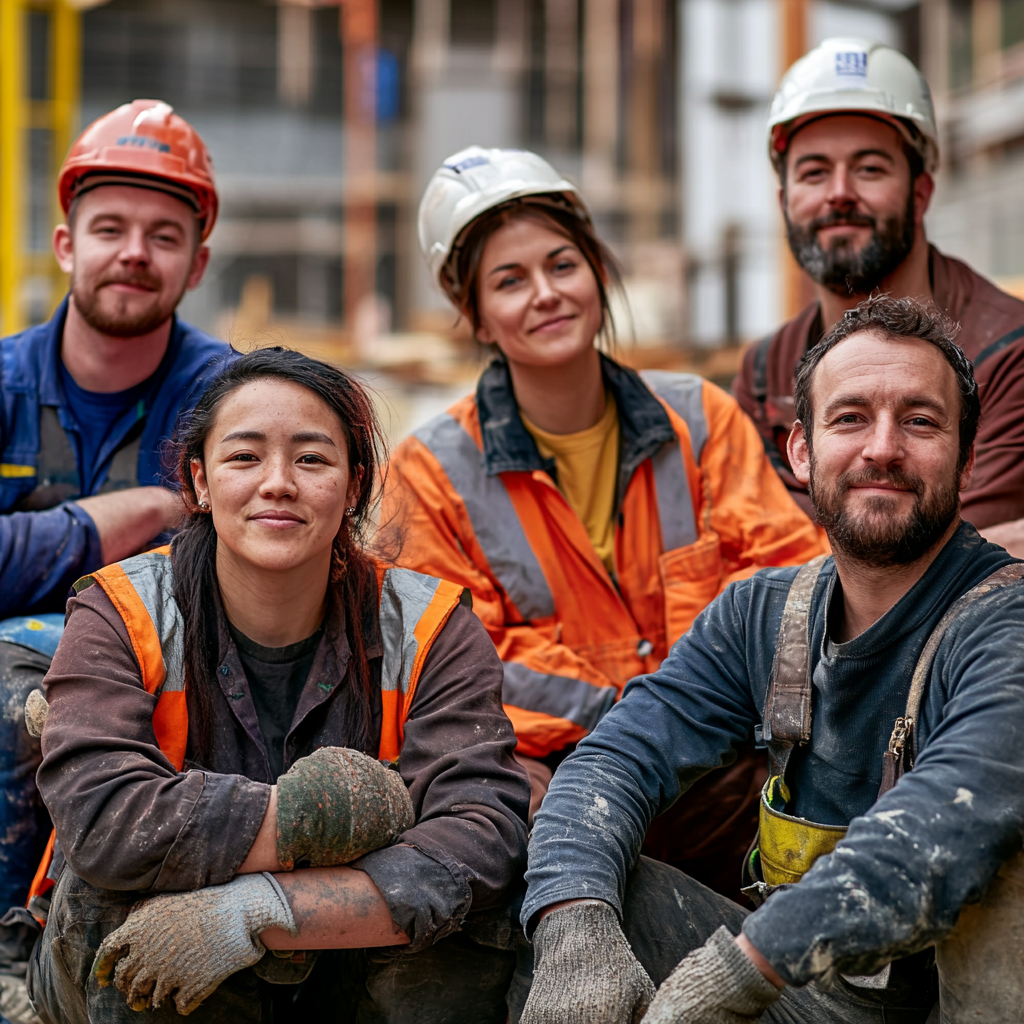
(882, 461)
(131, 253)
(852, 209)
(538, 298)
(275, 473)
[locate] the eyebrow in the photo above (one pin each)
(861, 153)
(550, 256)
(302, 437)
(908, 402)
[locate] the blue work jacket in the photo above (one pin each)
(43, 552)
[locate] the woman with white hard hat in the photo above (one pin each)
(592, 511)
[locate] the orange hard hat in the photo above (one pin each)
(143, 143)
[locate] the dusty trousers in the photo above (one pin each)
(458, 980)
(667, 914)
(981, 962)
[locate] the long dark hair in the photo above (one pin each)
(194, 551)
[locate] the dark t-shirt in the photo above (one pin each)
(276, 676)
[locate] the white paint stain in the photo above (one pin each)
(964, 796)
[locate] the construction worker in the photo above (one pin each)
(88, 399)
(305, 662)
(852, 137)
(901, 652)
(592, 511)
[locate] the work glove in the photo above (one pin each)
(584, 971)
(337, 804)
(716, 984)
(185, 944)
(37, 710)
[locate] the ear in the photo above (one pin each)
(199, 480)
(924, 186)
(355, 483)
(198, 268)
(63, 249)
(968, 471)
(799, 454)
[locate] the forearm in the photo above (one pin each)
(127, 520)
(262, 855)
(334, 908)
(1009, 535)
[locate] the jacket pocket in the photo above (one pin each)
(690, 577)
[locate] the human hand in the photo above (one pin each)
(185, 944)
(337, 804)
(584, 971)
(716, 984)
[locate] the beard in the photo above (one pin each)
(841, 268)
(117, 318)
(876, 536)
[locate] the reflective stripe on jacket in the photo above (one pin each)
(413, 609)
(697, 505)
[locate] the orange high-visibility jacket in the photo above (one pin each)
(413, 609)
(698, 505)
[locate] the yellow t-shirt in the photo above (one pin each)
(587, 464)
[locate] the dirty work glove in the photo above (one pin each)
(36, 712)
(716, 984)
(185, 944)
(337, 804)
(584, 971)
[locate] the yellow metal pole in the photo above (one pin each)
(65, 92)
(12, 163)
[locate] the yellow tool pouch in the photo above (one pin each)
(788, 846)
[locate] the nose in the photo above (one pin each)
(545, 295)
(884, 444)
(278, 479)
(841, 193)
(134, 249)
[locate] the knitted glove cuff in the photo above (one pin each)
(746, 985)
(282, 915)
(593, 921)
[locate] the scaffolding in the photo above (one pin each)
(39, 93)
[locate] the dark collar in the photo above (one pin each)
(508, 446)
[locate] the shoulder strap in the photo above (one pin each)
(899, 758)
(787, 707)
(759, 369)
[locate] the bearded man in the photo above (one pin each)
(89, 400)
(887, 683)
(853, 140)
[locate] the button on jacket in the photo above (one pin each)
(43, 552)
(470, 499)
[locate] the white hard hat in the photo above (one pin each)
(850, 74)
(475, 180)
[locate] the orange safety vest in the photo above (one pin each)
(413, 610)
(703, 508)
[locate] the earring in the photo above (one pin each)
(350, 511)
(204, 506)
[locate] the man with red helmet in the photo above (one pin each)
(88, 400)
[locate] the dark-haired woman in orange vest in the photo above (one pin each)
(266, 754)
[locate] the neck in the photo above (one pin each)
(273, 608)
(561, 399)
(104, 363)
(870, 591)
(912, 278)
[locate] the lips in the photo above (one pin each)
(556, 321)
(276, 516)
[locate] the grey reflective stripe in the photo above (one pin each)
(492, 517)
(152, 576)
(684, 393)
(559, 696)
(404, 597)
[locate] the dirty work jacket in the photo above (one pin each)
(470, 499)
(43, 552)
(993, 339)
(910, 859)
(127, 819)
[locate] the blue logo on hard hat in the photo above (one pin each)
(469, 162)
(853, 64)
(144, 142)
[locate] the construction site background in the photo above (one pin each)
(325, 122)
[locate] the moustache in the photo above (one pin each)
(872, 475)
(140, 279)
(838, 218)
